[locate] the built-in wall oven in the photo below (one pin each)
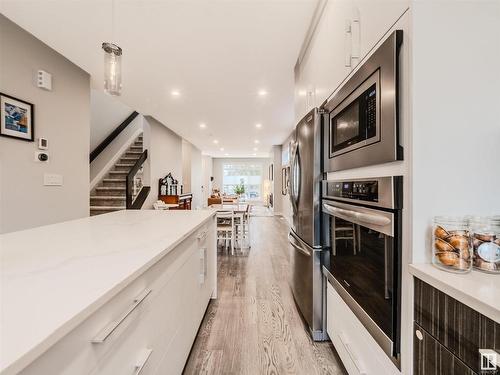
(360, 123)
(361, 221)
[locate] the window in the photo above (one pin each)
(247, 174)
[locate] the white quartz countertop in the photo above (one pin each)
(478, 290)
(54, 277)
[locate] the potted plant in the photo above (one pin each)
(239, 189)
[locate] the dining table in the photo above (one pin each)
(236, 208)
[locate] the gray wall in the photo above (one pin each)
(164, 151)
(62, 116)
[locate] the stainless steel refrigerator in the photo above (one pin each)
(305, 241)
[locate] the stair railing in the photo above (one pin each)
(110, 138)
(135, 192)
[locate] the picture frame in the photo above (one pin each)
(17, 118)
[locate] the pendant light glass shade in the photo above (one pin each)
(112, 68)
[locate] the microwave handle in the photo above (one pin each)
(357, 216)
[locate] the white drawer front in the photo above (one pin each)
(360, 353)
(76, 354)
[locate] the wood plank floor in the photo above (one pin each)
(254, 326)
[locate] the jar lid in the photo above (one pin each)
(451, 219)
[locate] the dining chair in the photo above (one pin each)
(226, 228)
(345, 231)
(242, 227)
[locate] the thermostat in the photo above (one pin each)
(43, 144)
(44, 80)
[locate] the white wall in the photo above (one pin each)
(186, 166)
(277, 184)
(107, 112)
(192, 172)
(207, 172)
(103, 163)
(62, 116)
(218, 164)
(164, 150)
(456, 132)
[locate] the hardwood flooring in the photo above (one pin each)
(254, 326)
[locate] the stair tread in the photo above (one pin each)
(109, 197)
(109, 208)
(114, 179)
(110, 188)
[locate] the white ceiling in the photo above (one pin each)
(217, 53)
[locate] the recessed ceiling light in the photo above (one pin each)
(222, 148)
(226, 154)
(175, 93)
(256, 141)
(302, 93)
(255, 149)
(215, 141)
(262, 92)
(254, 154)
(258, 126)
(203, 125)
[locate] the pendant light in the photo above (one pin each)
(112, 61)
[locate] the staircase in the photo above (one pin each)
(110, 194)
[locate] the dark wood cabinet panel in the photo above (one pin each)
(432, 358)
(462, 330)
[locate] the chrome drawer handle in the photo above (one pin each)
(143, 359)
(111, 327)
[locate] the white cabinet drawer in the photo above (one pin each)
(146, 339)
(359, 352)
(76, 354)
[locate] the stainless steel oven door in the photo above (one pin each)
(307, 283)
(362, 266)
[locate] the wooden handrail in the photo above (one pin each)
(100, 148)
(130, 180)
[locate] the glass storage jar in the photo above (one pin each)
(485, 237)
(451, 244)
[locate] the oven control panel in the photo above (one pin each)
(357, 190)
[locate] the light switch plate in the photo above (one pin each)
(51, 179)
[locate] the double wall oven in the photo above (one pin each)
(362, 231)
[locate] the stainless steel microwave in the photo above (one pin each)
(360, 120)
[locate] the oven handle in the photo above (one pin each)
(357, 216)
(298, 246)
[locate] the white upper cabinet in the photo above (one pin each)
(345, 27)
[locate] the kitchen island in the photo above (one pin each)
(119, 293)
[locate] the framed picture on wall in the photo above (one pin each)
(17, 120)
